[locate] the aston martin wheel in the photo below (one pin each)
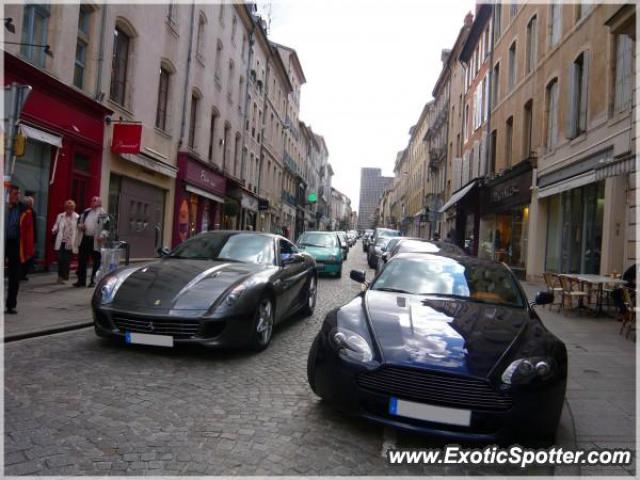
(312, 296)
(263, 325)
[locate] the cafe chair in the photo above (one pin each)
(629, 316)
(572, 292)
(552, 282)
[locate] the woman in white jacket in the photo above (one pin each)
(66, 230)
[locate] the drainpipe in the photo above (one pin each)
(103, 27)
(186, 77)
(264, 119)
(490, 88)
(246, 100)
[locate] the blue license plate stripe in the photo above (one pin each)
(393, 406)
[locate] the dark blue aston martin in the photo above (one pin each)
(445, 345)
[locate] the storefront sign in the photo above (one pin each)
(499, 194)
(511, 190)
(126, 137)
(200, 176)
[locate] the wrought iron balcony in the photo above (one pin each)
(290, 199)
(289, 163)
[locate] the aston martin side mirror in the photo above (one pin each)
(358, 276)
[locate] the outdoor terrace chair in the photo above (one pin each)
(552, 282)
(629, 316)
(571, 292)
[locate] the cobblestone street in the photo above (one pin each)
(75, 404)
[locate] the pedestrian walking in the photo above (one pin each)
(66, 231)
(93, 226)
(12, 248)
(28, 236)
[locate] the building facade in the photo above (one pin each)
(371, 186)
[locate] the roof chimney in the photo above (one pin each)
(468, 19)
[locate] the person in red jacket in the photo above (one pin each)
(27, 237)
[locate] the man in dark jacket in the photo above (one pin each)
(12, 248)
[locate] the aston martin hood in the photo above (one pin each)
(449, 335)
(180, 284)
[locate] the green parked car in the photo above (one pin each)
(324, 247)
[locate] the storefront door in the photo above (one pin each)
(140, 216)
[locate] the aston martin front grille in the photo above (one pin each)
(436, 388)
(176, 327)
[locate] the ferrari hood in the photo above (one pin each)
(450, 335)
(180, 284)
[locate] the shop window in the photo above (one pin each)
(35, 26)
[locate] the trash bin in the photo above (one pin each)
(112, 256)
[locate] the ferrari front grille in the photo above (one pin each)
(435, 388)
(175, 327)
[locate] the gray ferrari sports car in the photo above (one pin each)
(222, 288)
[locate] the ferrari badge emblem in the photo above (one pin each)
(157, 302)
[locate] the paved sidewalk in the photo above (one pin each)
(601, 390)
(45, 306)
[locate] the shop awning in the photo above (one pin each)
(204, 193)
(615, 168)
(457, 196)
(568, 184)
(38, 135)
(151, 164)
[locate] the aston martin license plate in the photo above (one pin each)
(429, 413)
(148, 339)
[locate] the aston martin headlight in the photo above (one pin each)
(234, 295)
(524, 370)
(351, 345)
(109, 286)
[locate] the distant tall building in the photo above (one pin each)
(372, 184)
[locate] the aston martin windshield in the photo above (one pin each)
(327, 240)
(242, 247)
(462, 278)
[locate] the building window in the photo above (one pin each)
(119, 66)
(234, 28)
(244, 45)
(193, 120)
(492, 154)
(532, 43)
(172, 12)
(582, 9)
(495, 95)
(212, 135)
(163, 97)
(577, 114)
(513, 10)
(200, 42)
(555, 23)
(508, 146)
(35, 25)
(240, 92)
(218, 61)
(528, 129)
(551, 117)
(498, 22)
(623, 85)
(512, 66)
(221, 14)
(82, 44)
(230, 79)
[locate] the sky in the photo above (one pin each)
(370, 68)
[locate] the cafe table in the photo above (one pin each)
(599, 281)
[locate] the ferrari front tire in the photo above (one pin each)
(312, 296)
(262, 325)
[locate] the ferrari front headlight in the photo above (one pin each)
(109, 286)
(234, 295)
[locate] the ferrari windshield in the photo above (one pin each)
(327, 240)
(460, 277)
(241, 247)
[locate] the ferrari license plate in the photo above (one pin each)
(429, 413)
(149, 339)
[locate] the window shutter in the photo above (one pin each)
(570, 113)
(584, 92)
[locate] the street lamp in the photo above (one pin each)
(47, 49)
(8, 24)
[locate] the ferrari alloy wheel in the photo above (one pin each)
(263, 324)
(312, 295)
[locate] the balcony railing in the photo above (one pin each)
(289, 163)
(436, 156)
(290, 199)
